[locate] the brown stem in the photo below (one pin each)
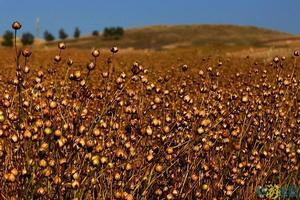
(82, 104)
(19, 86)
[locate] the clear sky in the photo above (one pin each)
(89, 15)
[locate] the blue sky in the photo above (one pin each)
(88, 15)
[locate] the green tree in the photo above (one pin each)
(8, 38)
(76, 33)
(62, 34)
(48, 36)
(119, 31)
(95, 33)
(113, 32)
(27, 38)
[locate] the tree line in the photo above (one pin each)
(27, 38)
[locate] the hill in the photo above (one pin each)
(176, 36)
(167, 36)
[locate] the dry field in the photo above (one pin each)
(177, 124)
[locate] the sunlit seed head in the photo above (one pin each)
(70, 62)
(184, 67)
(91, 66)
(159, 168)
(96, 53)
(61, 45)
(114, 50)
(26, 53)
(276, 59)
(26, 69)
(16, 25)
(57, 58)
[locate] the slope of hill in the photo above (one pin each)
(167, 36)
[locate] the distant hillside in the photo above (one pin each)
(164, 37)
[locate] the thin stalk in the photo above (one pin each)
(19, 86)
(82, 104)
